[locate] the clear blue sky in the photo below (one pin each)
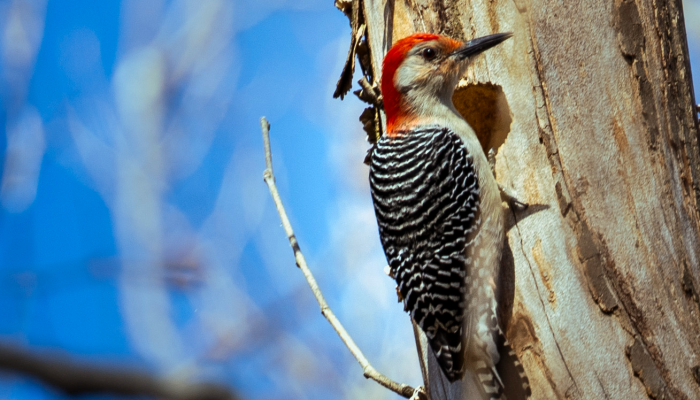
(137, 230)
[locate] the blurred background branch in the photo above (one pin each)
(75, 379)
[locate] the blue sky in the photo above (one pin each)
(146, 237)
(138, 230)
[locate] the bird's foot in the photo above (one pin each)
(492, 160)
(513, 202)
(506, 195)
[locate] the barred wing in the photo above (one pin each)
(426, 199)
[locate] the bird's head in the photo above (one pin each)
(420, 72)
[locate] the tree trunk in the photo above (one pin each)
(590, 108)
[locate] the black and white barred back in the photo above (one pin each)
(426, 199)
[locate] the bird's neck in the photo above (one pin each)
(420, 111)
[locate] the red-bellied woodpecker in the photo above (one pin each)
(438, 208)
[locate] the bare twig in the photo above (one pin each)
(369, 371)
(79, 379)
(369, 94)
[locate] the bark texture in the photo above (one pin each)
(591, 110)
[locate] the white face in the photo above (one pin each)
(429, 68)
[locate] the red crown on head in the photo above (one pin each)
(392, 61)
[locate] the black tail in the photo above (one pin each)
(509, 381)
(517, 386)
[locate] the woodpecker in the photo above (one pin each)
(438, 208)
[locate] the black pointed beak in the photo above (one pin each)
(478, 45)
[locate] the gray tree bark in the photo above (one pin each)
(591, 110)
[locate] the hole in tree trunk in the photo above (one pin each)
(485, 108)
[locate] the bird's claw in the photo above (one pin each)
(513, 202)
(492, 160)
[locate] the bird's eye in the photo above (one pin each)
(429, 53)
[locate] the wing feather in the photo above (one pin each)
(426, 199)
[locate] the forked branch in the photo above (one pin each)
(369, 371)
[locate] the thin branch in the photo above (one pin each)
(369, 371)
(76, 379)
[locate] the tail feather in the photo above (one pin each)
(490, 382)
(507, 380)
(478, 384)
(516, 383)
